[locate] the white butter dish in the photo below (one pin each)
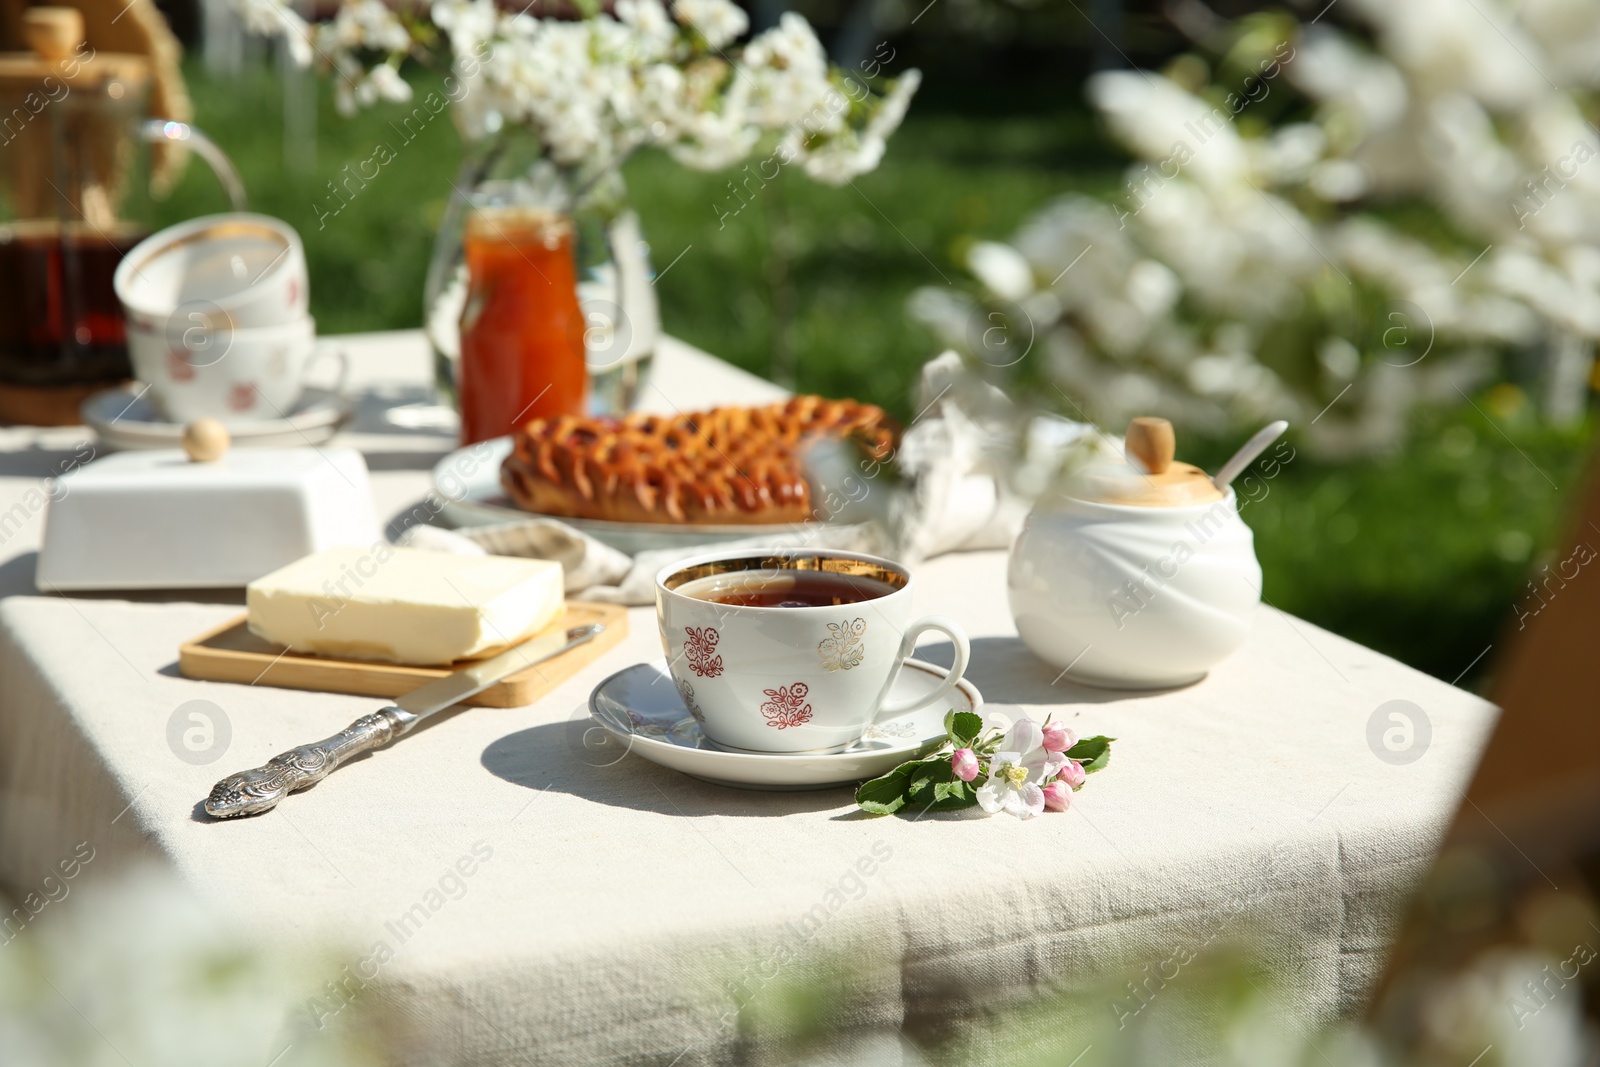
(156, 520)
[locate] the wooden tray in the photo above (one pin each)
(231, 653)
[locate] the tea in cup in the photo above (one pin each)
(793, 651)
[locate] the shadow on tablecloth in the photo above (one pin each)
(17, 579)
(16, 575)
(552, 756)
(1007, 672)
(44, 462)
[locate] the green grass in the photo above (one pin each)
(367, 263)
(1421, 555)
(830, 320)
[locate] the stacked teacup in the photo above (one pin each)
(217, 318)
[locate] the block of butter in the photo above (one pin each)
(404, 605)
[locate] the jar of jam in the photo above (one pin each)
(540, 299)
(522, 329)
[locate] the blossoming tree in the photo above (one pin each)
(595, 89)
(1326, 223)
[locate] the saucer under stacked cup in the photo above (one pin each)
(218, 321)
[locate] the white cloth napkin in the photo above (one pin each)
(599, 572)
(947, 490)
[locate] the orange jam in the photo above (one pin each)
(522, 348)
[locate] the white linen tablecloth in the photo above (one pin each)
(624, 912)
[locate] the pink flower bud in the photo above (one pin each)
(1057, 738)
(965, 764)
(1057, 797)
(1073, 774)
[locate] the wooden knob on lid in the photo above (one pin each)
(1150, 441)
(205, 440)
(1151, 477)
(53, 32)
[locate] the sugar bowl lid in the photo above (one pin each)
(1146, 475)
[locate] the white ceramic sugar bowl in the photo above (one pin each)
(1135, 578)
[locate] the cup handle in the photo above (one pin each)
(344, 367)
(951, 629)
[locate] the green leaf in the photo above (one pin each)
(1093, 752)
(925, 774)
(886, 795)
(921, 785)
(954, 794)
(964, 727)
(935, 787)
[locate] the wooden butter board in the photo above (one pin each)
(231, 653)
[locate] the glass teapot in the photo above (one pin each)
(75, 141)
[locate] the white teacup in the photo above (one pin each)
(238, 375)
(236, 270)
(793, 679)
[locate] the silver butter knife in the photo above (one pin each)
(254, 791)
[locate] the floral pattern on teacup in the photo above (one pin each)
(641, 725)
(842, 648)
(242, 396)
(179, 369)
(686, 691)
(786, 706)
(701, 651)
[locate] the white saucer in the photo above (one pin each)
(125, 418)
(469, 486)
(640, 707)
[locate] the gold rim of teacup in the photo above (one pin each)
(216, 231)
(848, 564)
(210, 228)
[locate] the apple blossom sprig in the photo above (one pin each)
(596, 88)
(1023, 768)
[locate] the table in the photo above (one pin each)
(624, 912)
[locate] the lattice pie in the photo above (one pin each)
(728, 465)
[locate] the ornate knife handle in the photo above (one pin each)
(254, 791)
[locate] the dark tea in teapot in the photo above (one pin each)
(60, 321)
